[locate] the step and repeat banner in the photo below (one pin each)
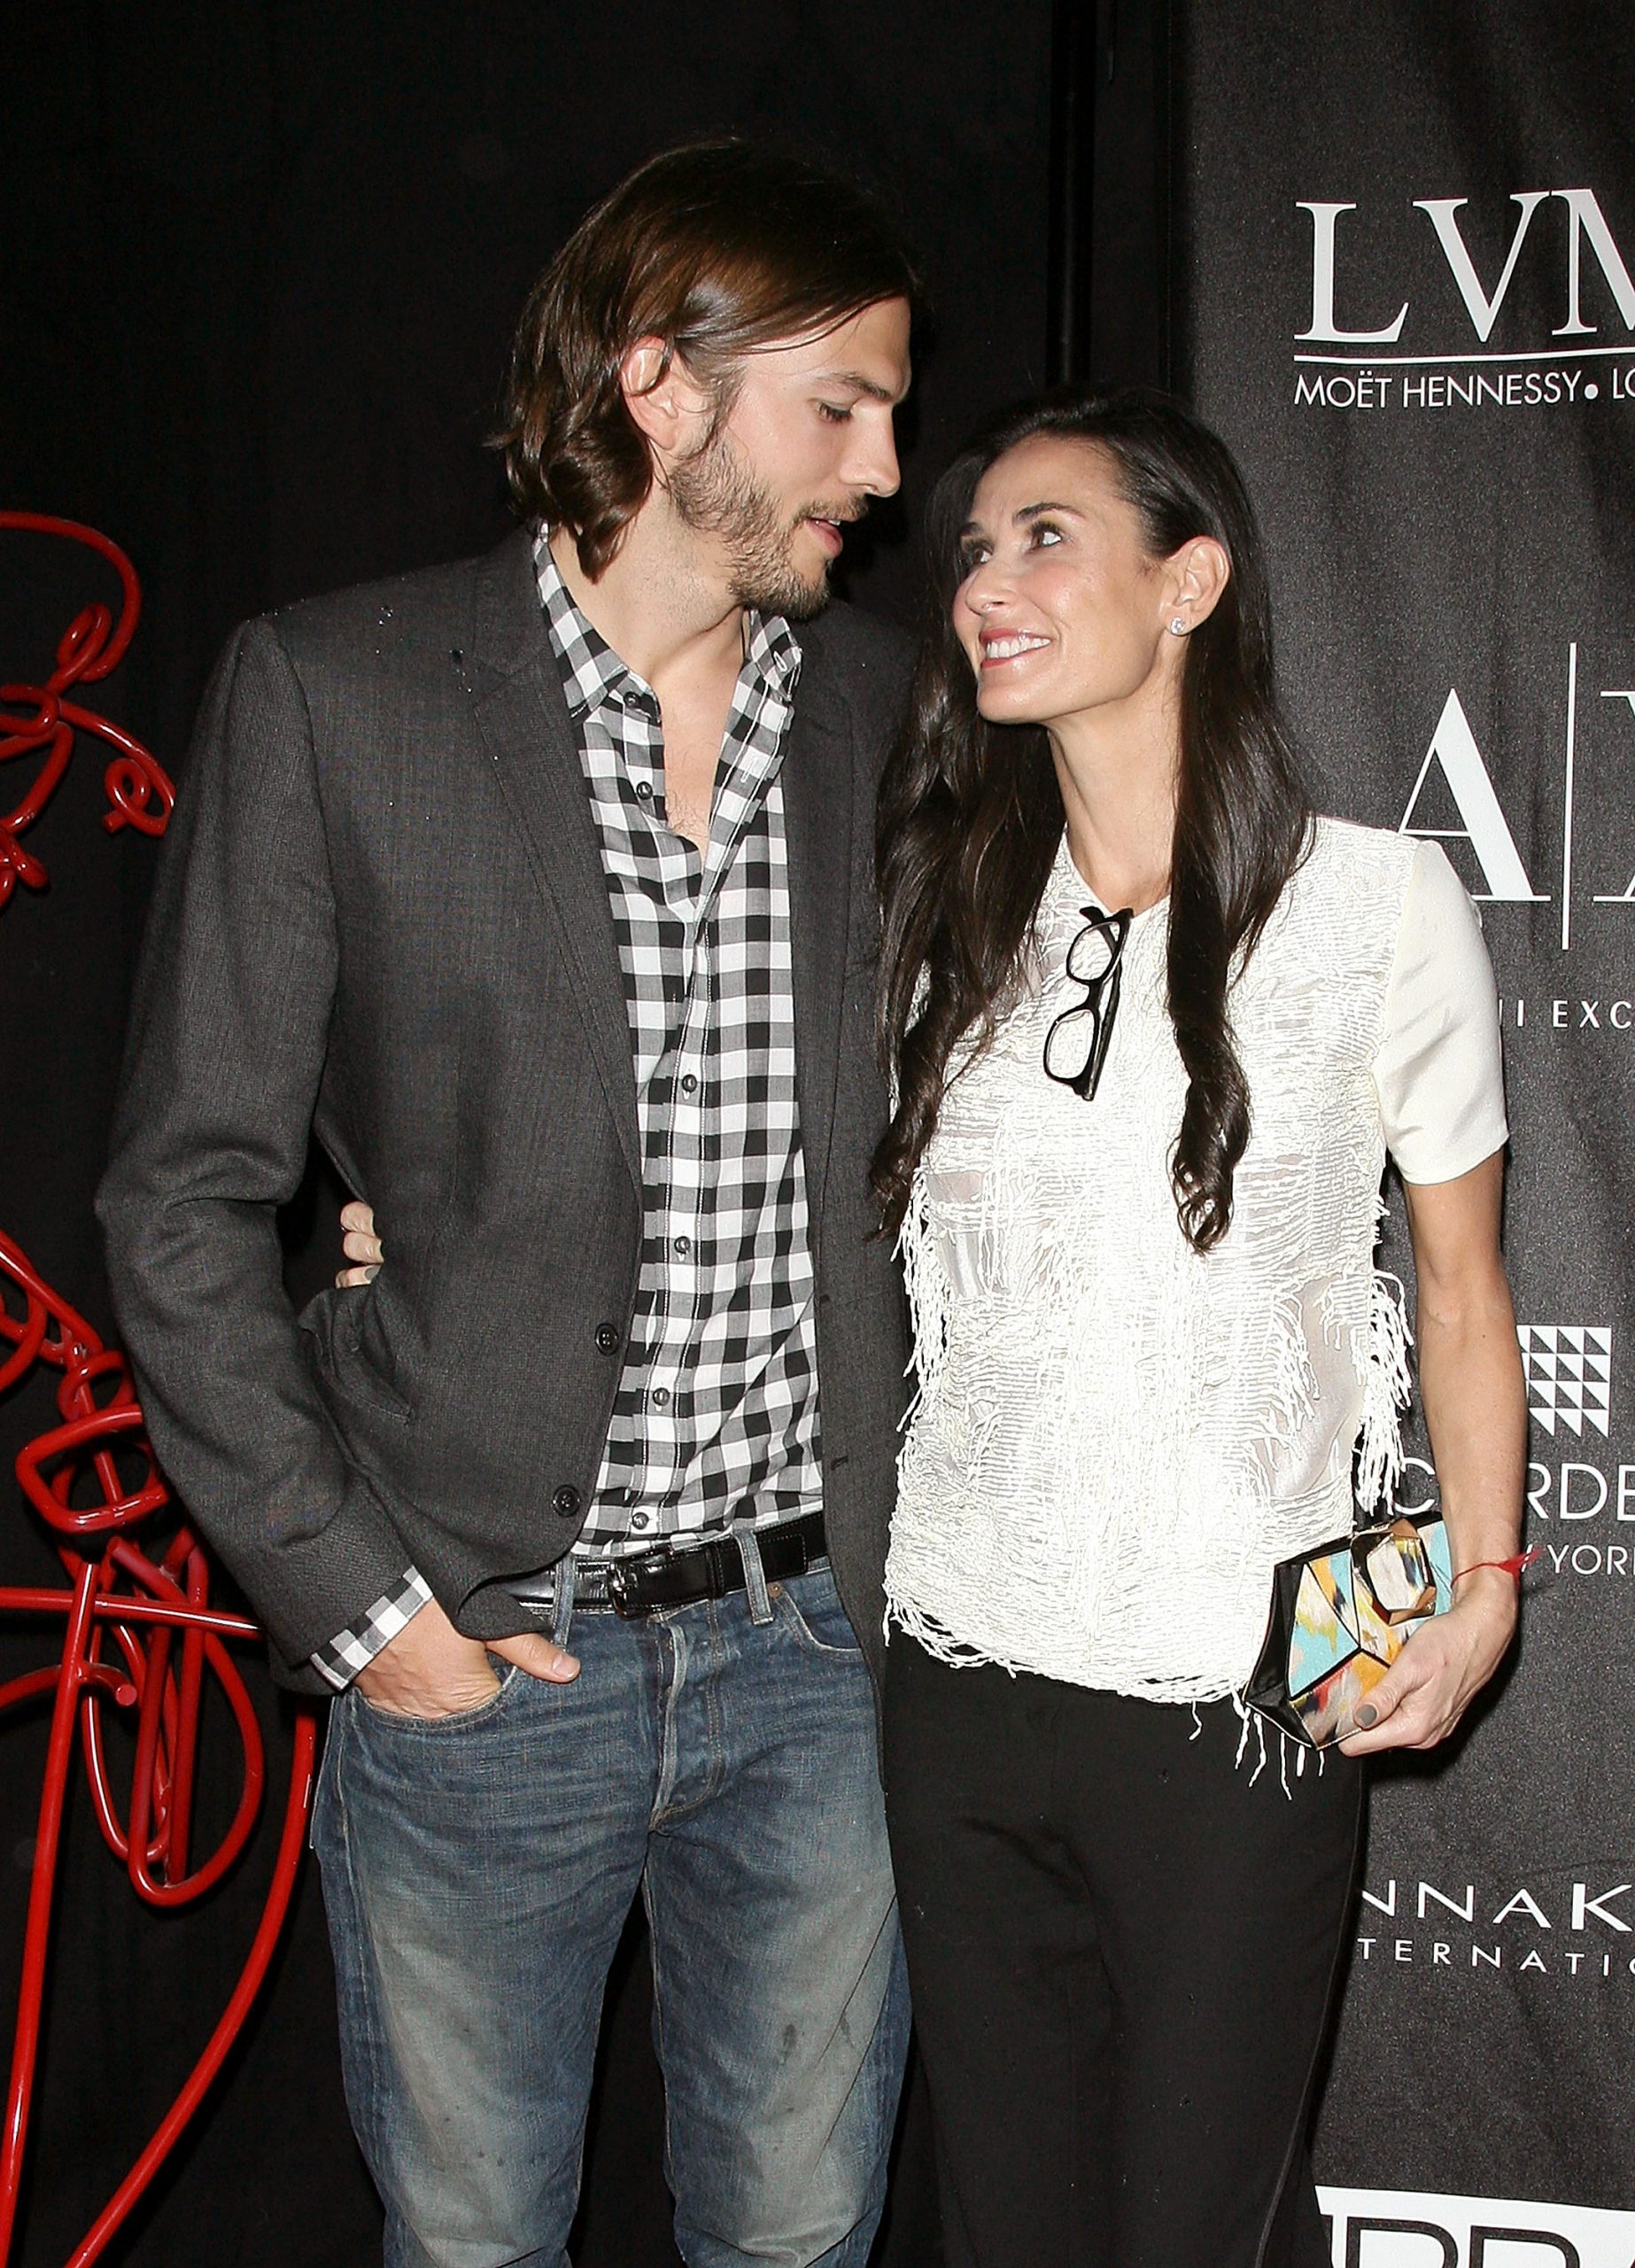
(1404, 242)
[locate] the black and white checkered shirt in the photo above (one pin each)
(714, 1421)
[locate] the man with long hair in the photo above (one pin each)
(541, 887)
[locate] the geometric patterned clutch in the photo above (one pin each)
(1340, 1616)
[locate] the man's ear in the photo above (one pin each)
(668, 406)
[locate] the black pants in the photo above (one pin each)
(1121, 1956)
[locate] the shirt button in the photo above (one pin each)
(640, 1519)
(643, 791)
(607, 1339)
(684, 1245)
(661, 1397)
(689, 1084)
(565, 1503)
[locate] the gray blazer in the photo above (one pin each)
(379, 913)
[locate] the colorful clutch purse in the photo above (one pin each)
(1340, 1616)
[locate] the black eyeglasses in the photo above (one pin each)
(1075, 1046)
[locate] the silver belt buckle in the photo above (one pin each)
(621, 1582)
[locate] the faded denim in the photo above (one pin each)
(477, 1871)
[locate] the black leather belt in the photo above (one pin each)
(651, 1579)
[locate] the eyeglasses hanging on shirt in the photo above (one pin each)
(1075, 1046)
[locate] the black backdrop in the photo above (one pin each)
(1435, 407)
(261, 264)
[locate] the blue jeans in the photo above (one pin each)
(478, 1870)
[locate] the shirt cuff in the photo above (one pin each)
(355, 1647)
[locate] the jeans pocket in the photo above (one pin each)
(440, 1728)
(818, 1620)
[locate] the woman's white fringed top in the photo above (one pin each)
(1114, 1439)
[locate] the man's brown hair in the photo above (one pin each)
(715, 249)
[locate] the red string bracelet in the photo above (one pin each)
(1513, 1568)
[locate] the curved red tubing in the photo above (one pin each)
(166, 1638)
(139, 1630)
(139, 792)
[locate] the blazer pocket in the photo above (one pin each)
(349, 1349)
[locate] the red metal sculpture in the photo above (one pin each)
(139, 1633)
(90, 649)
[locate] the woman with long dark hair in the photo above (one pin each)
(1152, 1028)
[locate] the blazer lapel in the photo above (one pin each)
(819, 789)
(522, 716)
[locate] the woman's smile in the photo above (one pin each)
(1002, 646)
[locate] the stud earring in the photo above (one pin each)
(1177, 628)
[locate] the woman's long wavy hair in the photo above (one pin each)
(971, 814)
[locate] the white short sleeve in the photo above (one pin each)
(1439, 1073)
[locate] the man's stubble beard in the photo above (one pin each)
(716, 493)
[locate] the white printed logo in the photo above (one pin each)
(1396, 2228)
(1492, 360)
(1452, 800)
(1453, 750)
(1586, 223)
(1569, 1368)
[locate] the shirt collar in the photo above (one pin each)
(593, 674)
(1062, 907)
